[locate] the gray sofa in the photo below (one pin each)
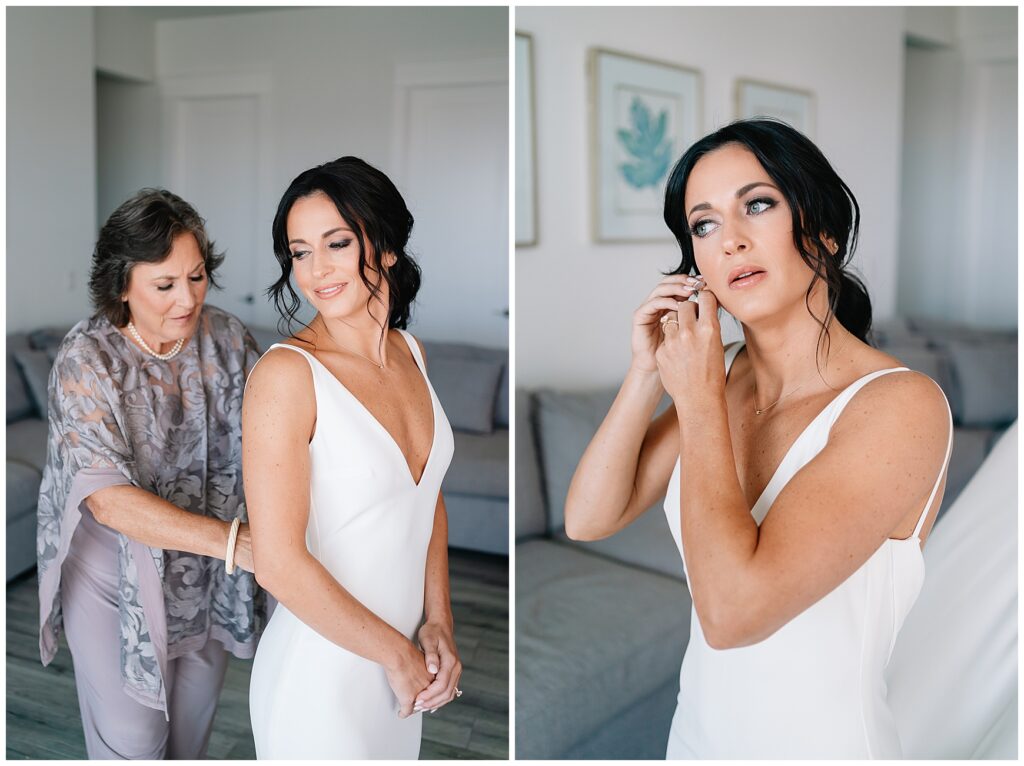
(601, 627)
(471, 382)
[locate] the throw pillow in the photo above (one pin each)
(467, 389)
(987, 382)
(35, 367)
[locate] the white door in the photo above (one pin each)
(216, 155)
(453, 173)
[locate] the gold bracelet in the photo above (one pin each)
(229, 556)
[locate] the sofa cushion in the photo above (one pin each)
(566, 422)
(22, 488)
(467, 389)
(986, 376)
(928, 361)
(501, 404)
(48, 338)
(970, 446)
(531, 519)
(19, 400)
(647, 543)
(480, 466)
(35, 368)
(592, 638)
(896, 331)
(26, 442)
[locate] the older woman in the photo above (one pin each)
(142, 556)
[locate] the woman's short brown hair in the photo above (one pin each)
(142, 230)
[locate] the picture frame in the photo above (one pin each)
(644, 113)
(795, 106)
(526, 143)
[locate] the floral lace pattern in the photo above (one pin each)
(173, 428)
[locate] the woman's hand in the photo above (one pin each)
(690, 359)
(646, 319)
(243, 548)
(408, 677)
(442, 661)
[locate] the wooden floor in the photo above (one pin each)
(42, 707)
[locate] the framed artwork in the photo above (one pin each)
(526, 134)
(763, 99)
(643, 116)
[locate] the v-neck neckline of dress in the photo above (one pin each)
(806, 429)
(380, 426)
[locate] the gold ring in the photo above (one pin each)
(666, 322)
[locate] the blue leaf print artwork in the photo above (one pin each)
(647, 145)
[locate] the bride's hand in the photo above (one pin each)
(690, 359)
(407, 677)
(439, 651)
(647, 319)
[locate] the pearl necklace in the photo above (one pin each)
(145, 346)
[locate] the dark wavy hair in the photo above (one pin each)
(822, 204)
(370, 203)
(142, 230)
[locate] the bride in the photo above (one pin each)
(344, 448)
(802, 469)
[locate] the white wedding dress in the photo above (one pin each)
(369, 524)
(814, 689)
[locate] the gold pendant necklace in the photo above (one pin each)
(376, 364)
(765, 409)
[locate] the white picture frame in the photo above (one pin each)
(644, 113)
(526, 152)
(794, 106)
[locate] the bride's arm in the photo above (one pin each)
(626, 466)
(881, 461)
(437, 635)
(278, 417)
(629, 461)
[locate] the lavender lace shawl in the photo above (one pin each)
(174, 428)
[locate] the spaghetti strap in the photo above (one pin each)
(293, 348)
(942, 471)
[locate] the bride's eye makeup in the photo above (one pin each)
(701, 227)
(767, 202)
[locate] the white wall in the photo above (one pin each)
(125, 42)
(332, 75)
(958, 246)
(127, 141)
(574, 298)
(51, 165)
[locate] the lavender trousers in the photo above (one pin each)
(116, 726)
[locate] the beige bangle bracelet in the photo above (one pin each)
(229, 556)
